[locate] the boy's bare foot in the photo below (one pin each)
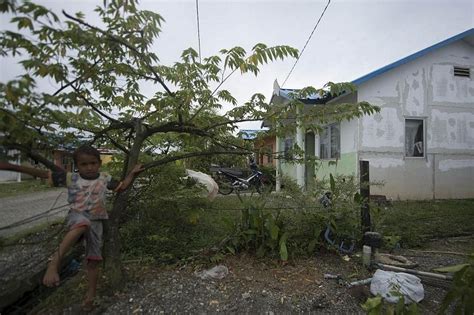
(51, 277)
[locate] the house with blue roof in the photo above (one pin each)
(420, 145)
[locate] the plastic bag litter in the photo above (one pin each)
(217, 272)
(391, 285)
(205, 180)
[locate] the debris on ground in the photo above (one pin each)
(393, 285)
(395, 260)
(217, 272)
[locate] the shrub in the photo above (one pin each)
(162, 222)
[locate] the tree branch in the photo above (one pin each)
(176, 127)
(93, 106)
(34, 155)
(190, 155)
(223, 81)
(5, 166)
(123, 42)
(118, 145)
(11, 114)
(70, 83)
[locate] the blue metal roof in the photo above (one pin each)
(286, 93)
(413, 56)
(248, 134)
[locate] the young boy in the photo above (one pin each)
(86, 195)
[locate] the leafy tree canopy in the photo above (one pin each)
(103, 77)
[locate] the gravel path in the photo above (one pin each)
(24, 208)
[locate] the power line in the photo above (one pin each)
(198, 31)
(37, 216)
(309, 38)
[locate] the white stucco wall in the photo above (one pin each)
(7, 176)
(424, 88)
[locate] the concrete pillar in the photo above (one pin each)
(18, 174)
(300, 166)
(278, 164)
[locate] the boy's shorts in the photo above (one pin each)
(92, 235)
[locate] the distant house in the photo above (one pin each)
(264, 145)
(420, 145)
(61, 157)
(14, 157)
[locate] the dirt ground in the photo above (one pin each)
(264, 286)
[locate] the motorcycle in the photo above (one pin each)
(229, 182)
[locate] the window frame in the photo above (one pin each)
(423, 120)
(287, 148)
(328, 128)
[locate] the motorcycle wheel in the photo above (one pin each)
(264, 186)
(225, 186)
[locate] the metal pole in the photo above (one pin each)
(365, 194)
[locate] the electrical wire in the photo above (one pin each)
(37, 216)
(307, 41)
(198, 30)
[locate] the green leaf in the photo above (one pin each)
(274, 230)
(412, 309)
(23, 22)
(400, 306)
(283, 251)
(6, 6)
(231, 250)
(373, 306)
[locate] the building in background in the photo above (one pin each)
(420, 145)
(264, 145)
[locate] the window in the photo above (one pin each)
(65, 161)
(414, 138)
(330, 142)
(270, 154)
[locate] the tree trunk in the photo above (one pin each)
(112, 248)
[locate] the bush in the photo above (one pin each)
(291, 223)
(269, 172)
(163, 223)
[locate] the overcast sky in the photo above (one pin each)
(353, 38)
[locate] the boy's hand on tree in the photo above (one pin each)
(137, 169)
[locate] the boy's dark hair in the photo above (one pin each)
(85, 149)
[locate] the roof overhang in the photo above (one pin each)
(467, 36)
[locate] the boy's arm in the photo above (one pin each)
(130, 177)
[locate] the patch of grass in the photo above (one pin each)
(69, 294)
(418, 221)
(24, 187)
(169, 232)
